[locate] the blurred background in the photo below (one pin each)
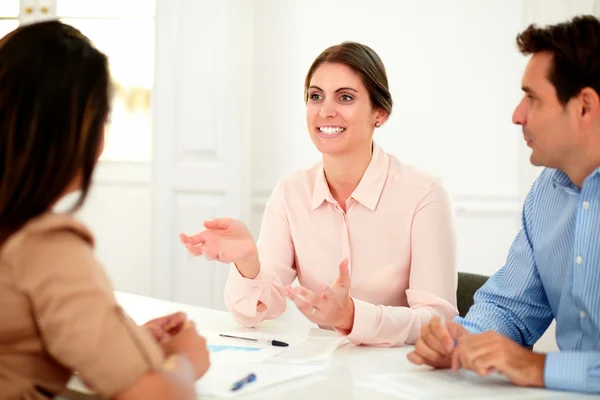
(208, 115)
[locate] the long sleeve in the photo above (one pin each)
(573, 371)
(80, 323)
(513, 301)
(432, 282)
(276, 255)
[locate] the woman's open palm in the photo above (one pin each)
(225, 239)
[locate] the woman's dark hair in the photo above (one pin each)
(54, 101)
(365, 62)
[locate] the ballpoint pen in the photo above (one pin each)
(267, 341)
(242, 382)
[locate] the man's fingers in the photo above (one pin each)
(455, 363)
(485, 364)
(457, 331)
(433, 342)
(464, 360)
(431, 356)
(414, 358)
(442, 335)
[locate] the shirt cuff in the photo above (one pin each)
(243, 293)
(566, 370)
(238, 286)
(470, 326)
(365, 319)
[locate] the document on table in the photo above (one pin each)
(239, 351)
(217, 348)
(318, 345)
(219, 379)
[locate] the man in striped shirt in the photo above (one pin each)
(553, 267)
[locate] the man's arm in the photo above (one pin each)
(513, 301)
(573, 370)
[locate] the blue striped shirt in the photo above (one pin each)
(552, 271)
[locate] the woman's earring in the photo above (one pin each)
(377, 124)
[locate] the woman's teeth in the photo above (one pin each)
(331, 130)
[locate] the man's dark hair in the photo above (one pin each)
(575, 49)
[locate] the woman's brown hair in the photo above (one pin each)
(54, 101)
(366, 63)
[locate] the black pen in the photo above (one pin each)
(267, 341)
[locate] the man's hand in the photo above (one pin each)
(490, 351)
(436, 344)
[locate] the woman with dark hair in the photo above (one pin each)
(359, 210)
(59, 314)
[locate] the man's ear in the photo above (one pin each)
(589, 104)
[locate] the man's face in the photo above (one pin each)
(549, 128)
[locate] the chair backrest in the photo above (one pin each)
(468, 284)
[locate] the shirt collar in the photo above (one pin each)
(369, 188)
(321, 190)
(593, 174)
(562, 181)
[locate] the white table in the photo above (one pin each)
(353, 372)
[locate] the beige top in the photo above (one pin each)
(58, 314)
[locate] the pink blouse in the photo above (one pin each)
(397, 233)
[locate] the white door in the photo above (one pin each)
(201, 122)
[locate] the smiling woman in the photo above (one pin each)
(363, 232)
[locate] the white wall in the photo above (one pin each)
(118, 211)
(453, 101)
(450, 92)
(454, 73)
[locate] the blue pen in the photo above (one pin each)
(242, 382)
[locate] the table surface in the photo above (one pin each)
(353, 372)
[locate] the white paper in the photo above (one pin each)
(312, 350)
(219, 379)
(232, 356)
(318, 345)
